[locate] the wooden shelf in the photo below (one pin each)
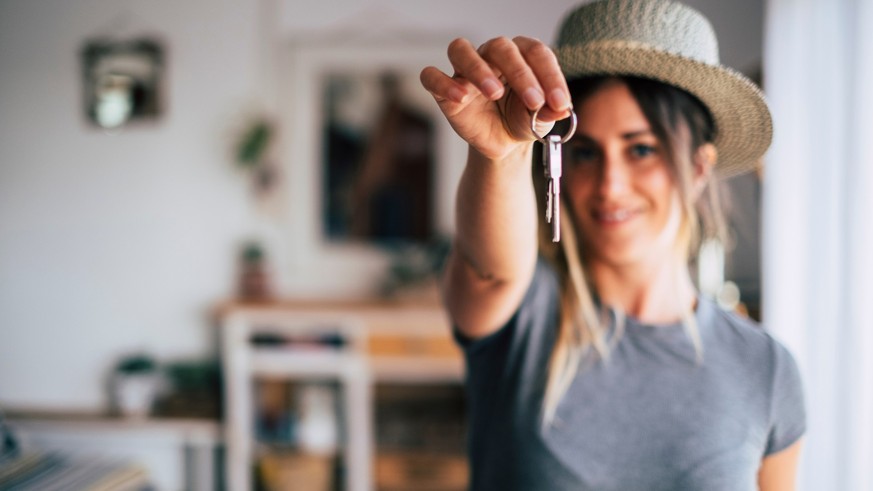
(416, 370)
(295, 363)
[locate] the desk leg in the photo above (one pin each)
(358, 413)
(239, 406)
(200, 467)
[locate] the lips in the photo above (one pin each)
(614, 216)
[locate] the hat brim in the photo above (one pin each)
(744, 127)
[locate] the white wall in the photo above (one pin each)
(738, 23)
(115, 242)
(111, 243)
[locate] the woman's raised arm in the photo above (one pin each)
(488, 101)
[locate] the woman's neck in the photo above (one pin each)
(654, 293)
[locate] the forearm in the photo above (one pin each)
(496, 216)
(496, 242)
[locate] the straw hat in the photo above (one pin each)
(675, 44)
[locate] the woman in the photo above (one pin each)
(594, 363)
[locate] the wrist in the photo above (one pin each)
(518, 157)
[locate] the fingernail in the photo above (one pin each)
(456, 94)
(533, 98)
(492, 88)
(558, 100)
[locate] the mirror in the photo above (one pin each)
(378, 172)
(122, 81)
(345, 157)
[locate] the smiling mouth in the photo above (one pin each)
(614, 217)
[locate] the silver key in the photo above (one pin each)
(552, 167)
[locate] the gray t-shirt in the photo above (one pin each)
(650, 418)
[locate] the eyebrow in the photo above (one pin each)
(625, 136)
(634, 134)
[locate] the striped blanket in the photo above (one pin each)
(22, 470)
(57, 472)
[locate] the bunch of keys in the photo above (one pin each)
(552, 166)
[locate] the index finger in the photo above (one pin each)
(468, 63)
(544, 64)
(505, 57)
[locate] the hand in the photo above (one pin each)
(491, 116)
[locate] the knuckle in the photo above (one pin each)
(503, 44)
(517, 73)
(495, 45)
(456, 45)
(525, 40)
(425, 76)
(539, 51)
(502, 41)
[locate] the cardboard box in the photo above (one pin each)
(290, 471)
(421, 471)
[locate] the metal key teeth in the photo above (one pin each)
(556, 228)
(549, 203)
(555, 201)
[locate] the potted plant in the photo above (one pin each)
(135, 383)
(254, 281)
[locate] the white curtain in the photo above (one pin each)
(818, 226)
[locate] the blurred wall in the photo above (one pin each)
(110, 243)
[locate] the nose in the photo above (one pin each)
(613, 176)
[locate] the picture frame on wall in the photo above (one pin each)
(371, 164)
(122, 81)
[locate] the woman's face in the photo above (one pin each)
(619, 183)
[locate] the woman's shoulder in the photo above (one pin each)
(758, 358)
(732, 323)
(744, 336)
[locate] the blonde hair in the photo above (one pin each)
(682, 124)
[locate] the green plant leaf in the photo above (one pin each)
(253, 144)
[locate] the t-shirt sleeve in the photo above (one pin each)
(530, 313)
(788, 409)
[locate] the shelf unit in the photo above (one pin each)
(382, 343)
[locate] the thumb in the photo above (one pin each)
(521, 123)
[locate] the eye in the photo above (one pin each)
(580, 153)
(641, 150)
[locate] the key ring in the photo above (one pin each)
(565, 139)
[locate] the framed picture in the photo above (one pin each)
(122, 81)
(372, 165)
(377, 159)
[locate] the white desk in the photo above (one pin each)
(384, 342)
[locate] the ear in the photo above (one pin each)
(705, 158)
